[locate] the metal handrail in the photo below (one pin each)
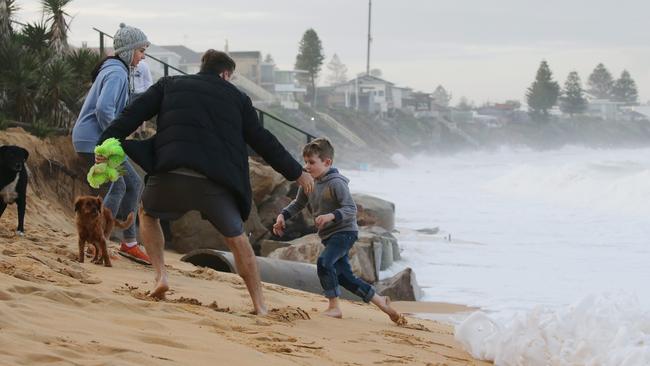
(167, 66)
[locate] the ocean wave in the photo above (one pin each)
(607, 329)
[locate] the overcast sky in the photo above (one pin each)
(485, 50)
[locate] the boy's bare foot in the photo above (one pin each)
(334, 313)
(161, 288)
(383, 303)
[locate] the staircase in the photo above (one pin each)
(453, 127)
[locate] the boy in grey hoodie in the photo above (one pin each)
(335, 216)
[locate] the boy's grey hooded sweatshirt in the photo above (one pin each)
(330, 195)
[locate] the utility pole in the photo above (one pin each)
(369, 37)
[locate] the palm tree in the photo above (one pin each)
(56, 85)
(19, 79)
(42, 82)
(35, 36)
(58, 24)
(83, 61)
(7, 9)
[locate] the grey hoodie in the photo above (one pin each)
(330, 195)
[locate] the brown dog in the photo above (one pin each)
(94, 225)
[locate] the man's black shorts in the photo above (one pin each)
(169, 196)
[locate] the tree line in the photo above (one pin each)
(545, 93)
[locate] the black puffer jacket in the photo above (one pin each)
(204, 124)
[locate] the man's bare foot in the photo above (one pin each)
(334, 313)
(161, 288)
(261, 311)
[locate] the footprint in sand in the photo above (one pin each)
(415, 326)
(407, 339)
(214, 306)
(185, 300)
(276, 337)
(288, 314)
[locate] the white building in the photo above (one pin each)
(603, 108)
(164, 55)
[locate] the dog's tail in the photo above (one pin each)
(126, 223)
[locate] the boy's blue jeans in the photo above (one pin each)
(334, 269)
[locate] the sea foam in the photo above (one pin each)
(608, 329)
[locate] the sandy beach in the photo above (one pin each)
(56, 311)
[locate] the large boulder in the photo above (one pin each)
(264, 180)
(308, 248)
(270, 209)
(297, 226)
(401, 287)
(305, 249)
(269, 246)
(385, 245)
(373, 211)
(363, 261)
(192, 232)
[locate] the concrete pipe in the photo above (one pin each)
(296, 275)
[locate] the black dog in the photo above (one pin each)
(13, 181)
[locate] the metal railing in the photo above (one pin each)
(166, 67)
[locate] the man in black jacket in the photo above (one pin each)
(198, 160)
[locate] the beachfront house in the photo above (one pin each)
(164, 55)
(249, 64)
(398, 96)
(603, 108)
(372, 94)
(284, 84)
(419, 104)
(366, 93)
(189, 61)
(287, 88)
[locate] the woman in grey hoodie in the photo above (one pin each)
(107, 97)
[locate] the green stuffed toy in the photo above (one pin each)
(111, 170)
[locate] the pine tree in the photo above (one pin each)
(310, 58)
(600, 83)
(543, 93)
(573, 100)
(441, 97)
(624, 89)
(338, 71)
